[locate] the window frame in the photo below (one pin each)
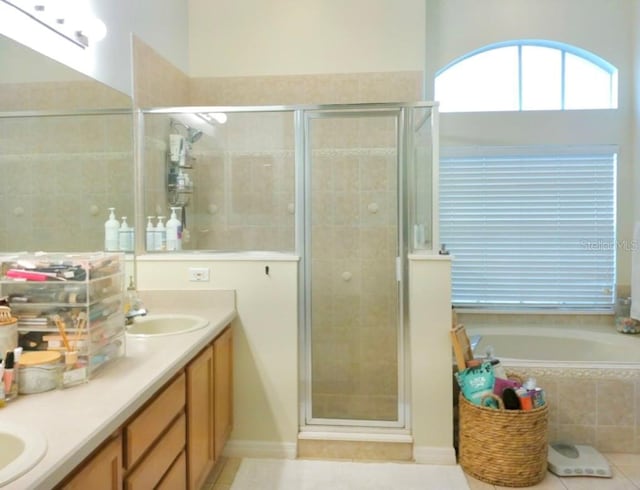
(564, 49)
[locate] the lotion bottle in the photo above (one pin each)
(161, 235)
(174, 226)
(151, 234)
(111, 232)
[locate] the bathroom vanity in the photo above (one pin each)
(147, 420)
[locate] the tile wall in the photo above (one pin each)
(596, 407)
(60, 174)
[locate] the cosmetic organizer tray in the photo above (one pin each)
(72, 303)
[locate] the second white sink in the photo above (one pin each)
(165, 324)
(20, 450)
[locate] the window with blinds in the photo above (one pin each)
(530, 228)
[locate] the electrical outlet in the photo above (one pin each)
(198, 274)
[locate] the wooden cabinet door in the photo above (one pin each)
(200, 418)
(103, 471)
(223, 392)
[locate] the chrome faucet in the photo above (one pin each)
(136, 307)
(133, 313)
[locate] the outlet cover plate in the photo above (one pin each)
(198, 274)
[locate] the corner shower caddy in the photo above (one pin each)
(179, 179)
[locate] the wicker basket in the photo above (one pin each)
(503, 447)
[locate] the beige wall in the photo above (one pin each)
(636, 119)
(265, 342)
(286, 37)
(266, 349)
(430, 358)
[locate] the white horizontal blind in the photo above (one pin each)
(530, 228)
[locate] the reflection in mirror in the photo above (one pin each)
(230, 176)
(66, 155)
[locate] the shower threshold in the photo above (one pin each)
(359, 444)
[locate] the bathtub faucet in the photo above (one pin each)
(475, 340)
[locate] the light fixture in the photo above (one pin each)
(79, 27)
(211, 117)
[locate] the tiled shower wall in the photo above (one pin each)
(60, 174)
(354, 305)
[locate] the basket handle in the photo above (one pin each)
(494, 397)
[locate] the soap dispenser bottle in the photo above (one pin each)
(111, 232)
(174, 231)
(161, 235)
(151, 234)
(125, 236)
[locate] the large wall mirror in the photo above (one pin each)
(66, 155)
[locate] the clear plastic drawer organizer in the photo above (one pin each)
(70, 303)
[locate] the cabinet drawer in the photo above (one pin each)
(176, 477)
(151, 469)
(153, 420)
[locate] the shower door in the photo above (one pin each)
(352, 290)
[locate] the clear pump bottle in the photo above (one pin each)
(125, 236)
(161, 235)
(151, 234)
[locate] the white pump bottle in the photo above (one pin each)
(111, 229)
(174, 231)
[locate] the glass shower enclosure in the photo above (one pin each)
(368, 195)
(347, 188)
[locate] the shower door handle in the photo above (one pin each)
(399, 269)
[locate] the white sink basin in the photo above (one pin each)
(165, 324)
(20, 450)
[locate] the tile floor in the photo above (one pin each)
(626, 470)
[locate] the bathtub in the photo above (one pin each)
(557, 346)
(591, 379)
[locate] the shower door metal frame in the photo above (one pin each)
(303, 156)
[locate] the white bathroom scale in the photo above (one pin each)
(575, 460)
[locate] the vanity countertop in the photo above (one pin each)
(75, 421)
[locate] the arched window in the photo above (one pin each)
(527, 75)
